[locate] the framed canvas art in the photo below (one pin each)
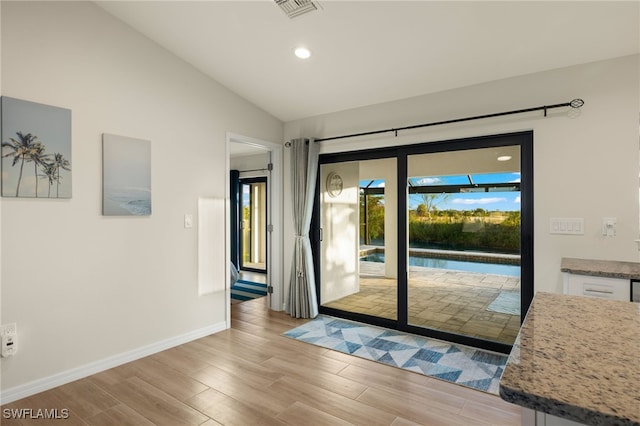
(36, 150)
(126, 176)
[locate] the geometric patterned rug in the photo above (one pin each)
(463, 365)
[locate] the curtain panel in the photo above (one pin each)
(302, 301)
(234, 212)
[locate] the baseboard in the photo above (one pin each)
(46, 383)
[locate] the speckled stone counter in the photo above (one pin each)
(601, 268)
(578, 358)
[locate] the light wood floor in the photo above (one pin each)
(250, 375)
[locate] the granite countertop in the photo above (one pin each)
(579, 358)
(601, 268)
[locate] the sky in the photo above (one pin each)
(127, 163)
(491, 201)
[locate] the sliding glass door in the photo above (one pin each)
(359, 237)
(434, 239)
(464, 242)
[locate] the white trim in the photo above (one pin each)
(46, 383)
(227, 236)
(275, 253)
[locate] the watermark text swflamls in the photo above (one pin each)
(37, 413)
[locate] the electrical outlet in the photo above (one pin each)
(8, 339)
(9, 345)
(8, 329)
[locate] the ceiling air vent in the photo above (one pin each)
(293, 8)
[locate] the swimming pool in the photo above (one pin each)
(455, 265)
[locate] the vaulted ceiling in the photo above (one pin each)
(368, 52)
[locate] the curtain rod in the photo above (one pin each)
(576, 103)
(254, 170)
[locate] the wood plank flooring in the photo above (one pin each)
(251, 375)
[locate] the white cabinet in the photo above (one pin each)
(543, 419)
(539, 418)
(600, 287)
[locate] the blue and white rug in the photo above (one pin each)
(458, 364)
(246, 290)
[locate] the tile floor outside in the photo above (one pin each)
(441, 299)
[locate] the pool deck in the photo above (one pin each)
(453, 301)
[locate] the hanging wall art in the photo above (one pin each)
(126, 176)
(36, 150)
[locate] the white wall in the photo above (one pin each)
(585, 161)
(84, 288)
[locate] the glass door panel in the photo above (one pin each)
(464, 242)
(253, 224)
(358, 252)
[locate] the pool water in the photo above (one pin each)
(454, 265)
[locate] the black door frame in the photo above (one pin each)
(243, 181)
(522, 139)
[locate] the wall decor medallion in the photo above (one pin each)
(36, 150)
(334, 184)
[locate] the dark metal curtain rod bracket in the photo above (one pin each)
(576, 103)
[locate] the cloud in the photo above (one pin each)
(380, 185)
(517, 200)
(489, 200)
(428, 181)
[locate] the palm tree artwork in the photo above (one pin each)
(49, 173)
(59, 162)
(28, 149)
(35, 149)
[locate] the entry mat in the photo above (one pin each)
(458, 364)
(246, 290)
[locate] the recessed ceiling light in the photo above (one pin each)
(504, 158)
(302, 52)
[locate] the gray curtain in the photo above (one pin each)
(302, 301)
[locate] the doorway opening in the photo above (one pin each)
(258, 164)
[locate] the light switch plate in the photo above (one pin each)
(609, 225)
(188, 220)
(566, 225)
